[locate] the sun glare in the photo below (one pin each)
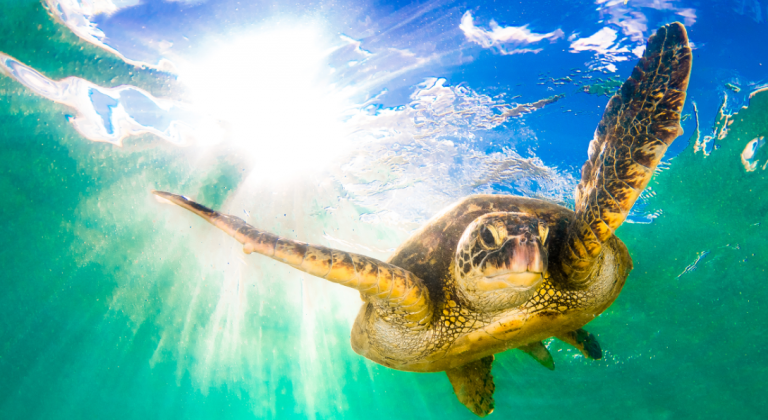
(270, 93)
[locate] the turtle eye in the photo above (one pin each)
(487, 234)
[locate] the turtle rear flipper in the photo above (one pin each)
(539, 352)
(384, 284)
(473, 385)
(584, 342)
(638, 125)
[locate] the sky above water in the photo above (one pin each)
(349, 124)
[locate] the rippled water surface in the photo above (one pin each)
(349, 124)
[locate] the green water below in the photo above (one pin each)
(110, 307)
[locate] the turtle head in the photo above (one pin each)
(501, 260)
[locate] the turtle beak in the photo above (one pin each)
(525, 253)
(520, 263)
(517, 281)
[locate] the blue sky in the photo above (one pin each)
(382, 51)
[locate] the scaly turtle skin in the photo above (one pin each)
(492, 272)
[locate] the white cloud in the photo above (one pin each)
(633, 22)
(121, 4)
(500, 37)
(626, 30)
(689, 15)
(77, 15)
(190, 2)
(600, 41)
(604, 44)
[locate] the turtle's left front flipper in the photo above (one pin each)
(384, 284)
(473, 385)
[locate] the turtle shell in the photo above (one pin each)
(429, 254)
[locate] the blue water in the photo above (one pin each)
(350, 124)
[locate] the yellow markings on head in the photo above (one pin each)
(462, 319)
(543, 232)
(445, 312)
(452, 303)
(501, 230)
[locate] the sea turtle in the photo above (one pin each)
(492, 272)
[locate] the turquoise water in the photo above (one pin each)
(115, 305)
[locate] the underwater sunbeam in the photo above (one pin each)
(272, 96)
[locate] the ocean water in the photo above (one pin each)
(349, 124)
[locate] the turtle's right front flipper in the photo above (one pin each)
(383, 283)
(638, 125)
